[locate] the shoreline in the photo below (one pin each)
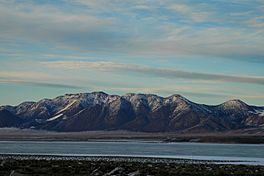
(70, 157)
(124, 158)
(118, 166)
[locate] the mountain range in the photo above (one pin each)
(133, 112)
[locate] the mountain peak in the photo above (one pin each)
(235, 104)
(99, 92)
(133, 111)
(177, 97)
(140, 95)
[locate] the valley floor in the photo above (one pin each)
(248, 137)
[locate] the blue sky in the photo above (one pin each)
(207, 51)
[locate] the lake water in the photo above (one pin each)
(250, 153)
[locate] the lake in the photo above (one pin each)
(250, 153)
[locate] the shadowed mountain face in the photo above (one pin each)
(135, 112)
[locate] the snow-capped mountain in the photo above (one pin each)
(135, 112)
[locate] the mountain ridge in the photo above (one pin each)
(132, 112)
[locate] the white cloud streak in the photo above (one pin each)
(39, 84)
(32, 75)
(150, 71)
(31, 78)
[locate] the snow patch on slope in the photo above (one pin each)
(54, 118)
(260, 112)
(66, 107)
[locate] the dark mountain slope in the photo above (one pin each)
(134, 112)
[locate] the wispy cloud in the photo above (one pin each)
(186, 43)
(39, 79)
(193, 13)
(114, 26)
(29, 75)
(161, 72)
(39, 84)
(41, 24)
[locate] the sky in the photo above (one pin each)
(208, 51)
